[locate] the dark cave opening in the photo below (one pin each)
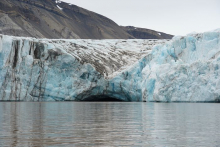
(101, 98)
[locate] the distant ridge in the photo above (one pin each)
(142, 33)
(54, 19)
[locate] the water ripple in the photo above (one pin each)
(109, 124)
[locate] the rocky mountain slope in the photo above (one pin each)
(55, 19)
(185, 69)
(141, 33)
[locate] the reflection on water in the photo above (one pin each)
(109, 124)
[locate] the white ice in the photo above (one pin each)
(182, 69)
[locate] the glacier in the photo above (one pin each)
(184, 69)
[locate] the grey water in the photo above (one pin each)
(109, 124)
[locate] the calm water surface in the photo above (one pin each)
(109, 124)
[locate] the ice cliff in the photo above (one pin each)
(182, 69)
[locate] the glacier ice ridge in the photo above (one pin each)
(184, 69)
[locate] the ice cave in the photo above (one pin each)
(101, 98)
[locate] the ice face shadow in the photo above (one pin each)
(101, 98)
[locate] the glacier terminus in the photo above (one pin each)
(184, 69)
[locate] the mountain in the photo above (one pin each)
(141, 33)
(55, 19)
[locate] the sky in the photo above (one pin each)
(177, 17)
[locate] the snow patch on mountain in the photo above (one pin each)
(59, 7)
(58, 1)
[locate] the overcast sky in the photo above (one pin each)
(178, 17)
